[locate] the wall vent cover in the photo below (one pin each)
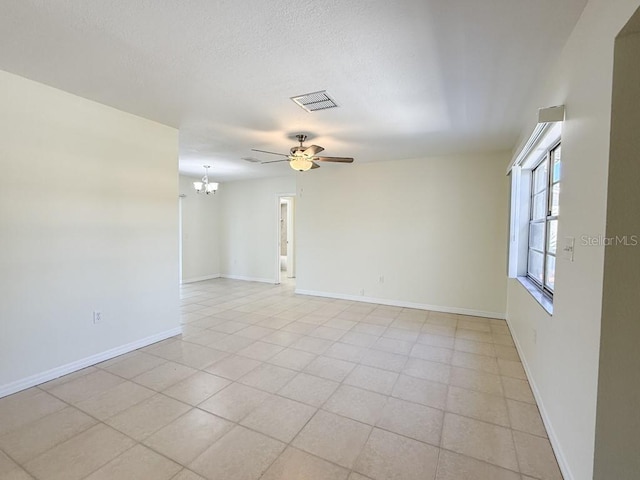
(312, 102)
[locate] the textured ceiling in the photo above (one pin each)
(412, 77)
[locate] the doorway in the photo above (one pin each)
(286, 239)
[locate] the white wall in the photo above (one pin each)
(563, 362)
(200, 231)
(249, 227)
(88, 221)
(435, 228)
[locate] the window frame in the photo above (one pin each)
(549, 159)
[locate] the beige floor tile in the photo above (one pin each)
(309, 389)
(442, 330)
(453, 466)
(482, 406)
(239, 455)
(360, 339)
(292, 359)
(499, 339)
(260, 351)
(187, 475)
(81, 455)
(295, 464)
(267, 377)
(357, 476)
(435, 340)
(115, 400)
(279, 417)
(330, 368)
(434, 371)
(475, 362)
(509, 368)
(393, 345)
(288, 335)
(197, 356)
(137, 463)
(255, 332)
(232, 343)
(433, 354)
(374, 379)
(163, 376)
(229, 327)
(340, 324)
(479, 325)
(86, 386)
(333, 438)
(384, 360)
(475, 380)
(233, 367)
(501, 329)
(412, 420)
(39, 436)
(234, 402)
(136, 363)
(507, 353)
(517, 389)
(6, 464)
(188, 436)
(536, 457)
(16, 474)
(344, 351)
(480, 440)
(147, 417)
(425, 392)
(526, 418)
(474, 335)
(327, 333)
(471, 346)
(369, 329)
(361, 405)
(27, 406)
(410, 336)
(197, 388)
(77, 374)
(387, 455)
(312, 345)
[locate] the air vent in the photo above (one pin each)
(312, 102)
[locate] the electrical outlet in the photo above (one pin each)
(97, 317)
(362, 291)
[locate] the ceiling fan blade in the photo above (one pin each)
(334, 159)
(312, 150)
(315, 165)
(270, 153)
(275, 161)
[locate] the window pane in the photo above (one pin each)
(552, 237)
(556, 164)
(550, 281)
(535, 265)
(555, 199)
(540, 177)
(536, 235)
(539, 211)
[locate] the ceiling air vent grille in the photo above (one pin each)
(312, 102)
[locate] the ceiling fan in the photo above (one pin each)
(304, 158)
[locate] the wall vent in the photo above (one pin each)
(312, 102)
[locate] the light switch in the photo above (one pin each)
(568, 248)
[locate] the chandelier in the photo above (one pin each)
(204, 184)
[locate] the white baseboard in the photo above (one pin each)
(399, 303)
(42, 377)
(200, 279)
(248, 279)
(553, 438)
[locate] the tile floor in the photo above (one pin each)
(266, 384)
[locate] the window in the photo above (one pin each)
(535, 205)
(543, 220)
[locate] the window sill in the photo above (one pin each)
(534, 290)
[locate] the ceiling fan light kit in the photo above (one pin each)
(205, 185)
(304, 158)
